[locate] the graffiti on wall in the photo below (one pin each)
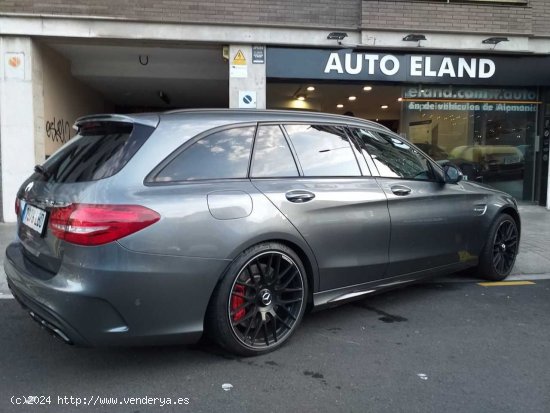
(58, 130)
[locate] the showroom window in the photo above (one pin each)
(223, 154)
(488, 132)
(323, 150)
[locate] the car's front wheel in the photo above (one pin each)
(260, 301)
(499, 254)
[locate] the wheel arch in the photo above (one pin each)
(299, 247)
(514, 214)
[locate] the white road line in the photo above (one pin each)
(528, 277)
(5, 296)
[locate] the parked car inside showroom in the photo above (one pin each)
(154, 228)
(489, 162)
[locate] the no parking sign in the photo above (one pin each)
(247, 99)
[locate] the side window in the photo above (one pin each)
(223, 154)
(272, 156)
(393, 157)
(323, 150)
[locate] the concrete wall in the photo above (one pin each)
(65, 99)
(254, 81)
(457, 17)
(16, 118)
(39, 102)
(327, 13)
(432, 15)
(424, 15)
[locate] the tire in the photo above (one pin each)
(260, 301)
(499, 253)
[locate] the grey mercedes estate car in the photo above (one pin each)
(155, 228)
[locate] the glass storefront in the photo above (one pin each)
(480, 112)
(489, 133)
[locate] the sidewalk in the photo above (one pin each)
(533, 259)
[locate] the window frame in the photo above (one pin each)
(151, 176)
(290, 147)
(372, 164)
(297, 159)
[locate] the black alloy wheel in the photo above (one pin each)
(505, 247)
(499, 254)
(266, 300)
(260, 302)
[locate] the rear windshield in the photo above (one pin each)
(99, 150)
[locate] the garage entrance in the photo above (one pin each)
(125, 77)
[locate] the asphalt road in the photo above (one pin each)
(435, 347)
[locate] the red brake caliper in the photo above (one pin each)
(236, 302)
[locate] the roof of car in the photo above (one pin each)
(232, 115)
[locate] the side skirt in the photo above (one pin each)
(331, 298)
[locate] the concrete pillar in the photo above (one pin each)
(247, 77)
(17, 123)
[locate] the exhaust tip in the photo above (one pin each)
(51, 329)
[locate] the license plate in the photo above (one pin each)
(34, 218)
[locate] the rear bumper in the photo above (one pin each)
(106, 296)
(47, 319)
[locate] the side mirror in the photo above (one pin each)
(453, 175)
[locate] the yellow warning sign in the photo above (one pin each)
(239, 58)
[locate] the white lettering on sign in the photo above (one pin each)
(371, 58)
(358, 64)
(428, 71)
(446, 68)
(416, 65)
(384, 65)
(486, 68)
(463, 66)
(420, 66)
(334, 63)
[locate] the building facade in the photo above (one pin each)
(467, 81)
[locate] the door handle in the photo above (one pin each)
(299, 197)
(400, 190)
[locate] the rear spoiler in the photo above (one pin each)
(148, 119)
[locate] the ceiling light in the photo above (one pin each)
(384, 107)
(310, 88)
(367, 88)
(414, 38)
(352, 98)
(301, 98)
(400, 99)
(339, 106)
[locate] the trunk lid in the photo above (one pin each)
(81, 168)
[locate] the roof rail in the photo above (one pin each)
(280, 111)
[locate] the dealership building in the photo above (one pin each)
(467, 81)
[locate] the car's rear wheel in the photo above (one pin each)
(260, 301)
(499, 254)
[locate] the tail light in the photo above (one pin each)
(17, 206)
(91, 224)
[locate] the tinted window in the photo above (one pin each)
(223, 154)
(393, 157)
(99, 150)
(272, 156)
(323, 150)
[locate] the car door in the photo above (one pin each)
(433, 224)
(310, 173)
